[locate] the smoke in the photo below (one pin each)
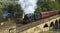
(28, 6)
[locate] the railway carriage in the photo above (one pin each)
(48, 14)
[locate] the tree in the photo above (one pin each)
(2, 6)
(47, 5)
(17, 9)
(14, 9)
(42, 6)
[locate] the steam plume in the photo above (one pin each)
(28, 6)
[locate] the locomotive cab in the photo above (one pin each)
(36, 16)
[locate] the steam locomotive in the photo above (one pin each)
(37, 16)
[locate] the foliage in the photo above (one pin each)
(11, 8)
(2, 6)
(47, 5)
(14, 8)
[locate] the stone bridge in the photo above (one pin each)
(41, 25)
